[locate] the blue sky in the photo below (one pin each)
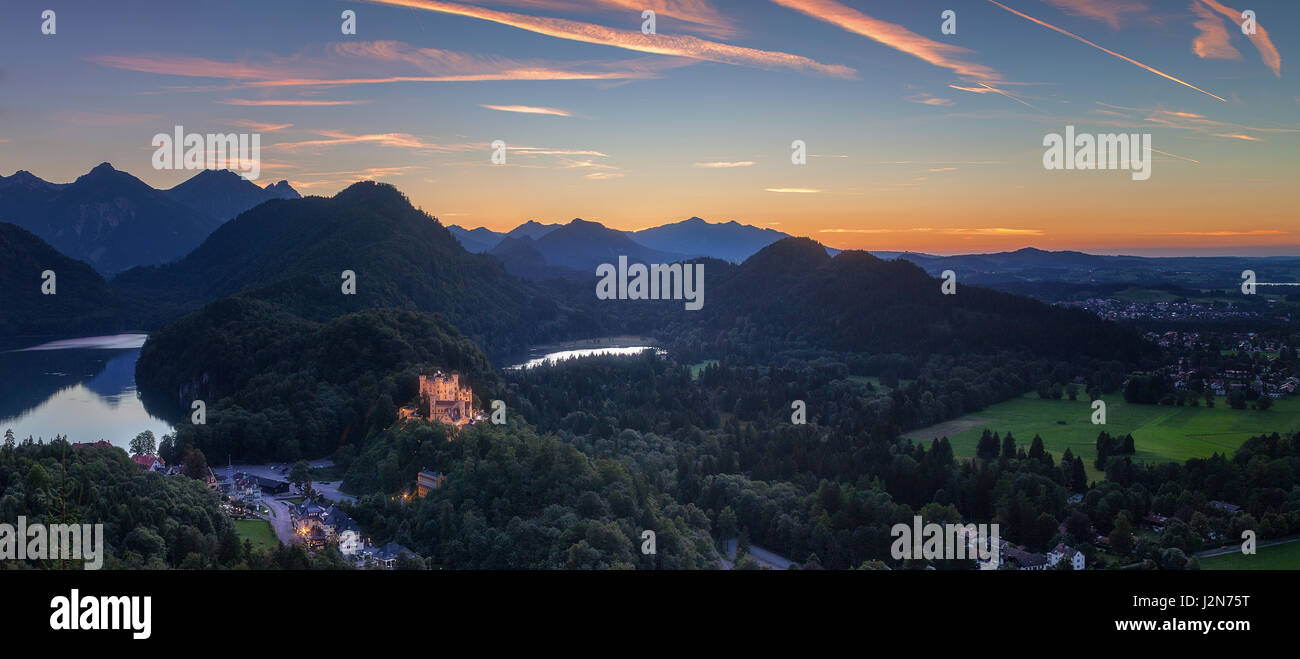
(917, 139)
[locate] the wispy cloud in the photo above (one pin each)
(547, 151)
(528, 109)
(724, 164)
(1213, 40)
(1108, 51)
(82, 118)
(1110, 12)
(287, 103)
(197, 67)
(940, 54)
(955, 231)
(397, 140)
(371, 63)
(259, 127)
(927, 99)
(1263, 43)
(701, 13)
(794, 190)
(701, 16)
(658, 44)
(987, 89)
(1253, 232)
(1192, 121)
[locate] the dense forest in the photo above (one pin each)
(79, 302)
(278, 387)
(293, 253)
(513, 500)
(150, 521)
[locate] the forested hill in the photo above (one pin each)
(82, 301)
(293, 253)
(792, 292)
(279, 387)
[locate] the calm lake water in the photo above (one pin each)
(614, 345)
(83, 388)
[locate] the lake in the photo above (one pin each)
(610, 345)
(82, 387)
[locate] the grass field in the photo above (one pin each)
(1274, 557)
(257, 531)
(696, 369)
(1160, 433)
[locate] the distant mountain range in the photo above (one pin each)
(292, 253)
(793, 291)
(1027, 270)
(222, 194)
(539, 251)
(113, 220)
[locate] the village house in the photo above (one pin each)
(149, 462)
(386, 557)
(1011, 555)
(1075, 557)
(427, 481)
(321, 526)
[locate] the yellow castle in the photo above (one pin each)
(442, 399)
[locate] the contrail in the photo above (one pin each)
(999, 91)
(1130, 60)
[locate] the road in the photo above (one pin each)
(279, 519)
(764, 557)
(330, 491)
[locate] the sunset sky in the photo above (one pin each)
(916, 140)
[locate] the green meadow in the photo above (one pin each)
(1160, 433)
(257, 531)
(1273, 557)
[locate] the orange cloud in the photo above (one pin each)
(187, 66)
(1109, 12)
(527, 109)
(1255, 232)
(1213, 42)
(1267, 51)
(703, 17)
(926, 99)
(724, 165)
(980, 231)
(1105, 50)
(287, 103)
(700, 12)
(658, 44)
(895, 36)
(1192, 121)
(399, 140)
(434, 64)
(259, 127)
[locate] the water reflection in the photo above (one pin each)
(83, 388)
